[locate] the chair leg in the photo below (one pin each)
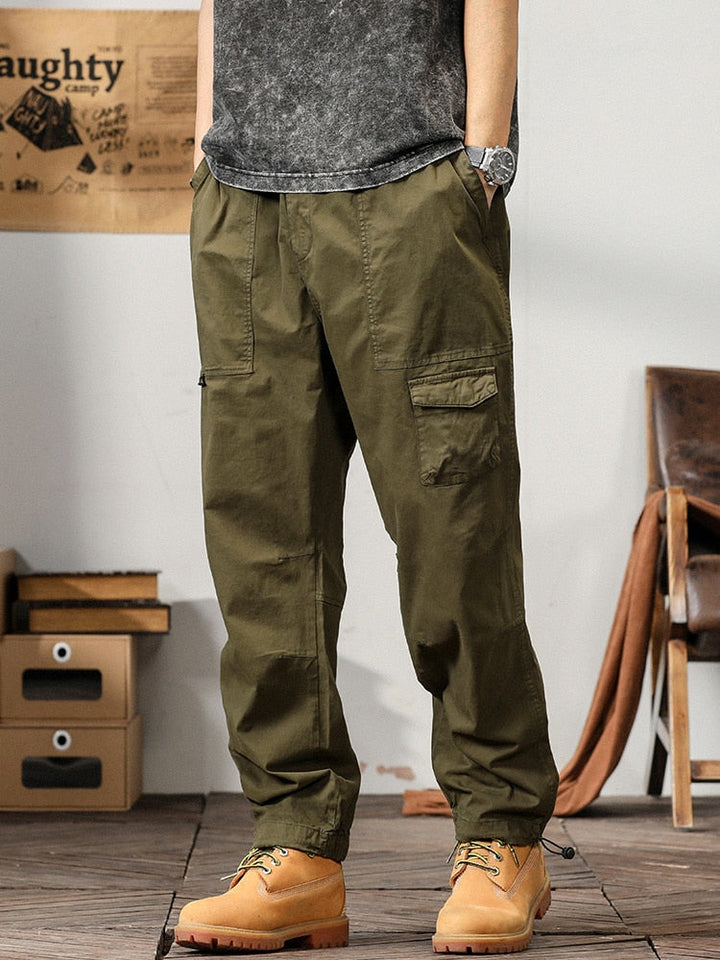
(679, 733)
(659, 630)
(657, 757)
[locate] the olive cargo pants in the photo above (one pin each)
(379, 315)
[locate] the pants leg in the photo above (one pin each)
(411, 282)
(276, 440)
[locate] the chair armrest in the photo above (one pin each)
(677, 556)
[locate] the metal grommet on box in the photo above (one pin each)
(61, 740)
(62, 651)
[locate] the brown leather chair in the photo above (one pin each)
(683, 433)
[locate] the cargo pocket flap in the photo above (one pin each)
(454, 390)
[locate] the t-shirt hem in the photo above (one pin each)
(336, 180)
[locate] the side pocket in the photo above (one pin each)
(470, 180)
(200, 175)
(494, 221)
(222, 248)
(456, 417)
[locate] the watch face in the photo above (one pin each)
(502, 166)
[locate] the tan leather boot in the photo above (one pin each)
(498, 889)
(277, 895)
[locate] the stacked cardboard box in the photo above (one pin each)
(70, 734)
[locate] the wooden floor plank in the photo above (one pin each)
(216, 854)
(394, 911)
(581, 948)
(652, 913)
(566, 873)
(415, 868)
(150, 808)
(145, 847)
(688, 947)
(76, 945)
(625, 823)
(668, 876)
(227, 811)
(83, 909)
(380, 835)
(577, 911)
(82, 886)
(92, 855)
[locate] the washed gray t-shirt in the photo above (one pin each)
(318, 95)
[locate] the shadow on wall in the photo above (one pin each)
(381, 736)
(185, 738)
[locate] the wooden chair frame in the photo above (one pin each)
(669, 660)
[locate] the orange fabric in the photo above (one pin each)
(617, 693)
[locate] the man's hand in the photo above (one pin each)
(489, 191)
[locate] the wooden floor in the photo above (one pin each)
(109, 886)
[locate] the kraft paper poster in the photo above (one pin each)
(96, 119)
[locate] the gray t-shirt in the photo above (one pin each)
(318, 95)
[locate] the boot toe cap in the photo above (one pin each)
(481, 920)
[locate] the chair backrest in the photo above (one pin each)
(683, 430)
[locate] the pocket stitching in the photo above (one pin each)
(492, 456)
(390, 355)
(488, 372)
(244, 360)
(198, 179)
(476, 193)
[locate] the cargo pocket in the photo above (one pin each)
(456, 417)
(222, 246)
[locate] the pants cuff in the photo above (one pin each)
(332, 844)
(520, 831)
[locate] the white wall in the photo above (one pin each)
(615, 218)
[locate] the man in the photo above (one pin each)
(350, 268)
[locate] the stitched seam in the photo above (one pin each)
(223, 371)
(472, 353)
(489, 236)
(306, 887)
(249, 331)
(522, 873)
(369, 296)
(445, 149)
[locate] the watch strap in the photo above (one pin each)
(476, 155)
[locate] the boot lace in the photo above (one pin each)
(479, 853)
(259, 858)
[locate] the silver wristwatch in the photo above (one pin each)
(497, 164)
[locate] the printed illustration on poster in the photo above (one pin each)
(96, 119)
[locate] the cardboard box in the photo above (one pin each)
(7, 578)
(68, 676)
(70, 766)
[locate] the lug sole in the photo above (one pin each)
(486, 943)
(315, 936)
